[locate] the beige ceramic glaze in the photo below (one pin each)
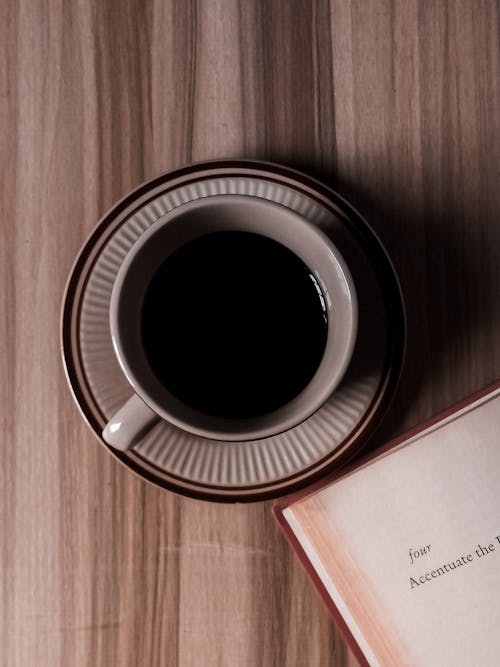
(247, 470)
(171, 231)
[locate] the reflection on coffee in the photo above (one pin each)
(234, 324)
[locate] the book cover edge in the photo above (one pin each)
(281, 505)
(320, 587)
(292, 498)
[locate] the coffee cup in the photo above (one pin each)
(281, 321)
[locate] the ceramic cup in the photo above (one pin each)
(151, 400)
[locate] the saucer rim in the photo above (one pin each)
(358, 226)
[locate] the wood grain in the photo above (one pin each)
(395, 102)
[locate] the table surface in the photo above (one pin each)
(396, 103)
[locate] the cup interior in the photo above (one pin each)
(233, 213)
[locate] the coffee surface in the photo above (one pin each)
(234, 324)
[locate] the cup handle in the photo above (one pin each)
(129, 424)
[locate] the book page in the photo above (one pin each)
(408, 546)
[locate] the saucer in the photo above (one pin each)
(254, 469)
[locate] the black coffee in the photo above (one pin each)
(234, 324)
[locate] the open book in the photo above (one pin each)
(405, 548)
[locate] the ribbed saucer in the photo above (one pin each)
(255, 469)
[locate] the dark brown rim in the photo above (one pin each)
(393, 303)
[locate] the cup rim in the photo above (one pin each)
(246, 429)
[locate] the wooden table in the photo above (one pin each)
(397, 104)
